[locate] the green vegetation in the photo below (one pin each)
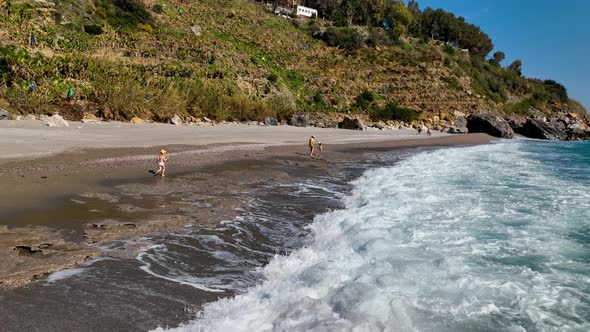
(235, 60)
(393, 111)
(124, 14)
(347, 38)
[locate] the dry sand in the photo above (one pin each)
(65, 191)
(27, 138)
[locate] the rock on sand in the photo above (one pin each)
(489, 123)
(55, 121)
(176, 120)
(5, 115)
(136, 120)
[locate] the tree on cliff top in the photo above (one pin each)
(441, 25)
(497, 58)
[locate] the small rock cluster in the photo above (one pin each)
(561, 126)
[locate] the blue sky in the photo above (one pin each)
(552, 38)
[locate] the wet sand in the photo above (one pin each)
(59, 211)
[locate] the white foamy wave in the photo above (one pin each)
(61, 275)
(458, 239)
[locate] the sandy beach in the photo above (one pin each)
(68, 191)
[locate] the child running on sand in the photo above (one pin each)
(162, 163)
(311, 146)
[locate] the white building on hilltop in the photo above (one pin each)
(307, 12)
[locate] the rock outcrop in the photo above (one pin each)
(270, 121)
(299, 120)
(535, 128)
(176, 120)
(5, 115)
(460, 122)
(489, 123)
(516, 124)
(578, 131)
(55, 121)
(352, 124)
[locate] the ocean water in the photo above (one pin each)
(487, 238)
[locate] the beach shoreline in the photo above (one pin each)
(58, 210)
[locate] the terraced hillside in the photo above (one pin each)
(232, 60)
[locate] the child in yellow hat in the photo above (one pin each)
(162, 163)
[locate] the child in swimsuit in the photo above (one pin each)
(162, 163)
(320, 150)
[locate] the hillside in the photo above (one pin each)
(235, 60)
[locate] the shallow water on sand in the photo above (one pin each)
(167, 282)
(484, 238)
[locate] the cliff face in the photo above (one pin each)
(234, 60)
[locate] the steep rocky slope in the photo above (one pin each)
(234, 60)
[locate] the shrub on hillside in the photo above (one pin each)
(125, 14)
(520, 108)
(453, 82)
(450, 50)
(345, 37)
(158, 8)
(365, 100)
(272, 77)
(145, 27)
(282, 106)
(556, 91)
(314, 29)
(93, 29)
(378, 37)
(392, 111)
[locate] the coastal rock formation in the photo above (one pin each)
(578, 131)
(299, 120)
(270, 121)
(352, 124)
(5, 115)
(516, 124)
(489, 123)
(55, 121)
(535, 128)
(325, 123)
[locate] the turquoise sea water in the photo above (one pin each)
(486, 238)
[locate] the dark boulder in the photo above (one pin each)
(534, 128)
(270, 121)
(489, 123)
(352, 124)
(457, 130)
(516, 124)
(332, 124)
(299, 120)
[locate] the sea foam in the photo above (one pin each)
(492, 237)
